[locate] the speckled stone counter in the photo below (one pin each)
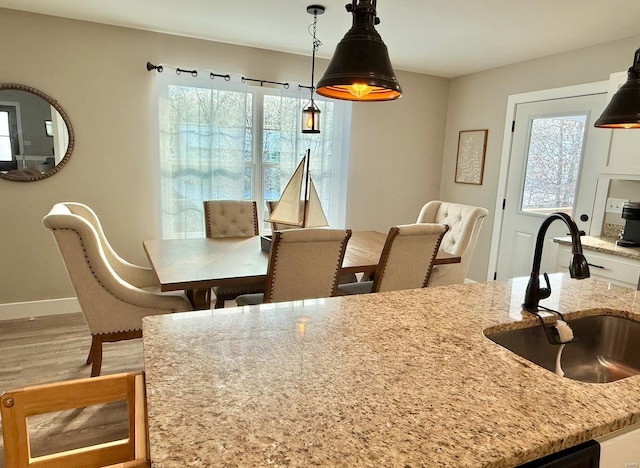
(603, 244)
(403, 378)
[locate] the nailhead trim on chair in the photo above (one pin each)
(84, 252)
(275, 267)
(338, 266)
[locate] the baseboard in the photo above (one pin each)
(18, 310)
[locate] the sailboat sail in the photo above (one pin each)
(288, 209)
(315, 214)
(300, 204)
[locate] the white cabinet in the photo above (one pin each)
(621, 449)
(624, 151)
(606, 267)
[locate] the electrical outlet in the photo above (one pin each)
(614, 205)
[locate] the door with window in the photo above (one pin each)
(556, 156)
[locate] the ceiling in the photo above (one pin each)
(439, 37)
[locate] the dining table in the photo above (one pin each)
(195, 265)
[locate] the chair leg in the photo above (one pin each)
(200, 298)
(96, 356)
(219, 302)
(92, 350)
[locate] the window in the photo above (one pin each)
(556, 146)
(8, 140)
(227, 140)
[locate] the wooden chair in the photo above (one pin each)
(113, 294)
(406, 261)
(303, 264)
(464, 222)
(16, 406)
(232, 218)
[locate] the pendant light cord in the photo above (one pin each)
(316, 44)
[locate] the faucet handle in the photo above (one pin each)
(545, 292)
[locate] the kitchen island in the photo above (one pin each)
(403, 378)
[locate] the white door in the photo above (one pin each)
(556, 156)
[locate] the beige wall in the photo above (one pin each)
(479, 101)
(97, 73)
(396, 158)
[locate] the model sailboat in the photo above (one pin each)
(300, 204)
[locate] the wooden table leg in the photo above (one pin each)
(200, 298)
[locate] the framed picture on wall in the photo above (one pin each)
(472, 148)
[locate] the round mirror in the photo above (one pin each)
(36, 138)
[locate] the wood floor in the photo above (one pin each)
(52, 349)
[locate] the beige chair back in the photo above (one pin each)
(141, 277)
(16, 406)
(464, 223)
(231, 218)
(304, 263)
(112, 306)
(407, 257)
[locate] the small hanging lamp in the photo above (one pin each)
(360, 69)
(623, 110)
(311, 118)
(311, 112)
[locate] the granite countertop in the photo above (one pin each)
(603, 244)
(403, 378)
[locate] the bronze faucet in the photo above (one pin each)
(578, 268)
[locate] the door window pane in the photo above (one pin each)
(554, 155)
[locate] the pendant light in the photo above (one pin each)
(311, 112)
(360, 69)
(624, 109)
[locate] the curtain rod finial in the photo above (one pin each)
(151, 66)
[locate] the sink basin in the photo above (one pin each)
(606, 348)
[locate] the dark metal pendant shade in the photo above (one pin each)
(624, 109)
(360, 69)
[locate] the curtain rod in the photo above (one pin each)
(262, 82)
(194, 73)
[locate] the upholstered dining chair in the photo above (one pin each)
(232, 218)
(464, 223)
(18, 405)
(271, 205)
(113, 294)
(406, 260)
(303, 264)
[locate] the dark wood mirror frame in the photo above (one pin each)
(16, 175)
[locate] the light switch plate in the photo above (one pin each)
(614, 205)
